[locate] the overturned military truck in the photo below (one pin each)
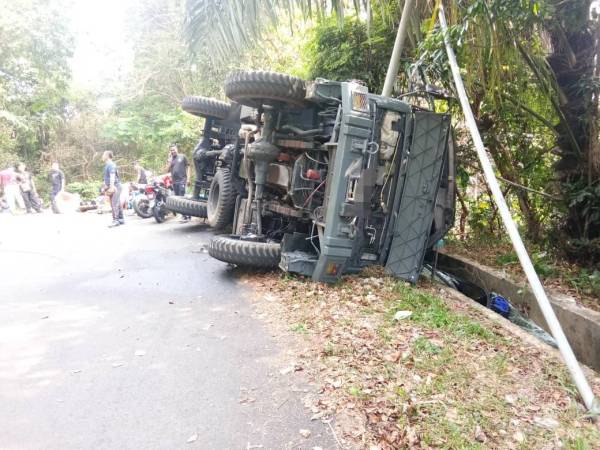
(336, 178)
(216, 161)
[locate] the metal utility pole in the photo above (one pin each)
(392, 71)
(591, 402)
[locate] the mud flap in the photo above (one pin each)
(414, 215)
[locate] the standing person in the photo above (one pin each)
(12, 193)
(142, 174)
(178, 168)
(57, 185)
(28, 190)
(112, 188)
(4, 178)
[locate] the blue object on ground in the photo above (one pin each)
(499, 304)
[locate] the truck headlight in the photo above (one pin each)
(360, 102)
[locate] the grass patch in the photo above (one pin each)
(300, 327)
(331, 349)
(447, 376)
(423, 346)
(383, 332)
(356, 391)
(499, 364)
(432, 312)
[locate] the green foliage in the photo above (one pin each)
(7, 157)
(88, 190)
(424, 347)
(541, 262)
(352, 51)
(146, 133)
(147, 118)
(229, 29)
(432, 311)
(35, 46)
(586, 281)
(585, 198)
(299, 328)
(516, 120)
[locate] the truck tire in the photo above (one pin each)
(233, 250)
(257, 88)
(221, 200)
(141, 206)
(205, 107)
(186, 206)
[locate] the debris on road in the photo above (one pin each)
(400, 315)
(192, 438)
(118, 364)
(245, 397)
(140, 352)
(286, 370)
(293, 368)
(305, 433)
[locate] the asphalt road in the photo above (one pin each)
(134, 338)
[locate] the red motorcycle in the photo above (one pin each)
(143, 200)
(151, 198)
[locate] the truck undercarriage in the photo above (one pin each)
(337, 178)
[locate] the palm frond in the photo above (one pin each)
(228, 27)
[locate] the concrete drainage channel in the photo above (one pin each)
(581, 325)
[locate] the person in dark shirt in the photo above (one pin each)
(57, 185)
(28, 190)
(142, 177)
(178, 168)
(112, 188)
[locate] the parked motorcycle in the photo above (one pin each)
(143, 200)
(162, 187)
(150, 199)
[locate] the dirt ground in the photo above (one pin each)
(404, 367)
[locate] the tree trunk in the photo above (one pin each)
(573, 61)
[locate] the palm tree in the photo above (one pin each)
(574, 61)
(231, 26)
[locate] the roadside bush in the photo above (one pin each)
(351, 51)
(88, 190)
(42, 185)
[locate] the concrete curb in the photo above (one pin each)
(581, 325)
